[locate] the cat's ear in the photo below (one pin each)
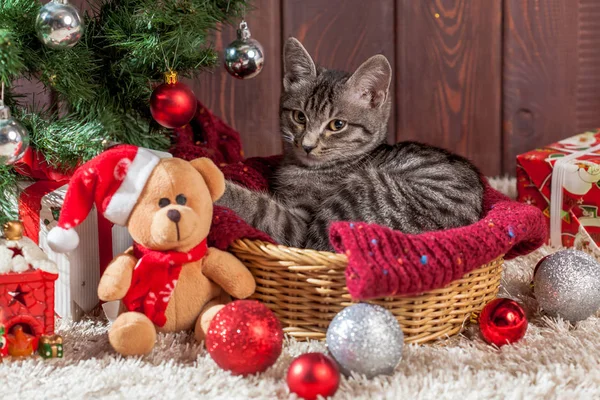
(297, 64)
(370, 84)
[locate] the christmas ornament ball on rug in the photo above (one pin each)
(502, 321)
(58, 25)
(173, 104)
(245, 337)
(366, 339)
(313, 374)
(566, 284)
(244, 57)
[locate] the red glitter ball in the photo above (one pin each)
(173, 105)
(245, 337)
(502, 321)
(313, 374)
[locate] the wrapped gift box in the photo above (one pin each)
(573, 165)
(80, 270)
(50, 346)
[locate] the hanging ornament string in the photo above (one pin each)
(14, 139)
(244, 57)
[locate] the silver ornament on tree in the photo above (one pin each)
(365, 339)
(567, 284)
(14, 139)
(244, 57)
(59, 25)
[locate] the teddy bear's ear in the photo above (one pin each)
(212, 176)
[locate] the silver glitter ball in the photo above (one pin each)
(244, 57)
(567, 284)
(58, 25)
(14, 139)
(366, 339)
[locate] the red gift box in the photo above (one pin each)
(573, 165)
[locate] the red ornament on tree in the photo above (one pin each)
(502, 321)
(313, 374)
(173, 104)
(245, 337)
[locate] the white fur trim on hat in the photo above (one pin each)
(124, 199)
(62, 240)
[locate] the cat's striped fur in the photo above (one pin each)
(349, 174)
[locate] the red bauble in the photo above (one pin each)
(313, 374)
(502, 321)
(173, 105)
(245, 337)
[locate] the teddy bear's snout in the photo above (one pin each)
(174, 215)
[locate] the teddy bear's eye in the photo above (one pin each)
(164, 202)
(181, 199)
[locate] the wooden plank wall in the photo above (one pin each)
(551, 72)
(488, 79)
(446, 56)
(448, 90)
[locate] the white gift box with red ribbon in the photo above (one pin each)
(79, 270)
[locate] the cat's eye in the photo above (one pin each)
(299, 117)
(164, 202)
(181, 199)
(336, 125)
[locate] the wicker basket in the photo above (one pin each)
(307, 288)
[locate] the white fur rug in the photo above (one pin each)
(553, 361)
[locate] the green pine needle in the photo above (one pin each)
(103, 84)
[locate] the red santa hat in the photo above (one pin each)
(113, 181)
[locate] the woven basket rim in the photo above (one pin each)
(339, 257)
(306, 288)
(336, 257)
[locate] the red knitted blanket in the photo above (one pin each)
(382, 262)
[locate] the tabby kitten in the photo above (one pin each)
(337, 166)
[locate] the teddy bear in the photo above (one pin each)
(169, 280)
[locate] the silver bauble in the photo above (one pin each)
(567, 284)
(58, 25)
(244, 57)
(14, 139)
(366, 339)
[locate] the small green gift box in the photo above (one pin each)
(50, 346)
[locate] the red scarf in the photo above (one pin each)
(154, 279)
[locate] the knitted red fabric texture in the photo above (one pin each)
(382, 262)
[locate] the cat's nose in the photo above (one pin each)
(174, 215)
(308, 149)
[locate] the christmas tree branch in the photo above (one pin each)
(104, 82)
(8, 188)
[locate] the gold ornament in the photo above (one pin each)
(171, 77)
(13, 230)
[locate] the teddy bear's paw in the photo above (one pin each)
(116, 280)
(206, 316)
(132, 334)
